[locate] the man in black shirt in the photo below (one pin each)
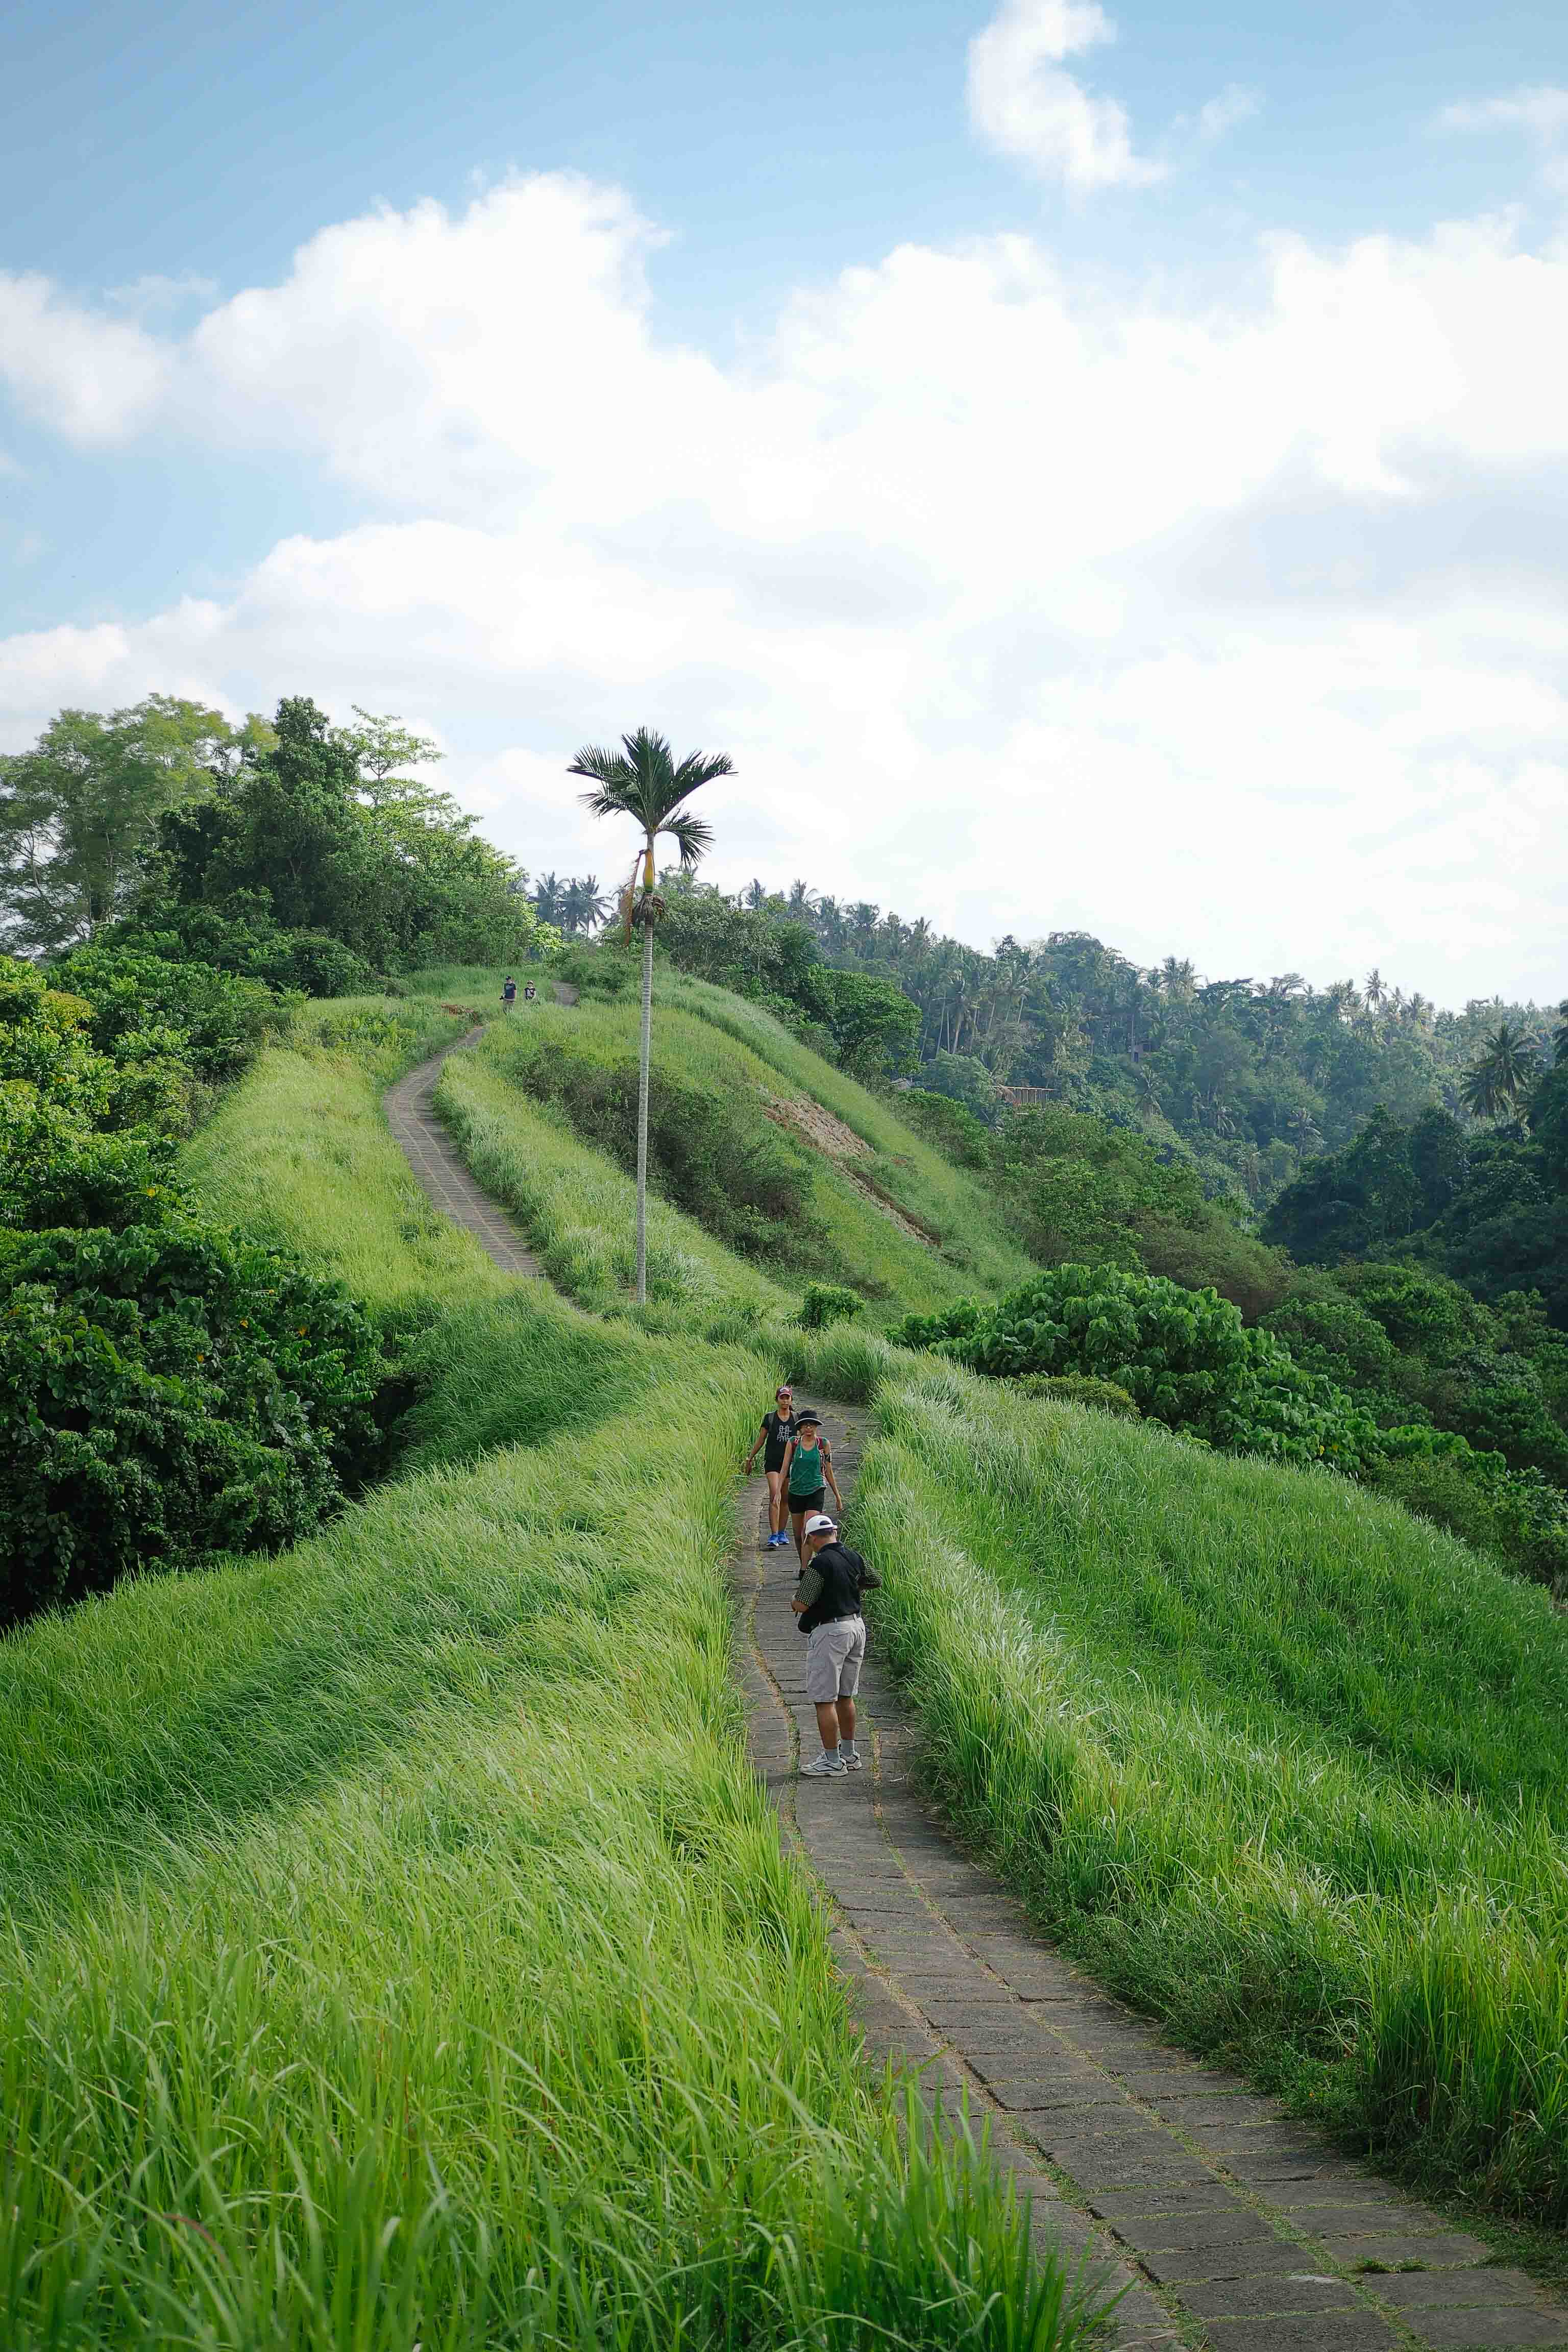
(828, 1603)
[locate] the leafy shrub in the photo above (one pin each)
(75, 1149)
(608, 970)
(954, 1322)
(1184, 1357)
(829, 1302)
(1515, 1514)
(954, 1130)
(213, 1020)
(240, 936)
(1072, 1388)
(166, 1393)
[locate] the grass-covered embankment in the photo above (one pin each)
(1281, 1763)
(762, 1192)
(399, 1949)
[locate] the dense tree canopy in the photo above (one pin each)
(1244, 1077)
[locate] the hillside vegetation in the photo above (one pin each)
(401, 1951)
(733, 1114)
(1282, 1764)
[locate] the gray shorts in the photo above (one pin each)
(835, 1655)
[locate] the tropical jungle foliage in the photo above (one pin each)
(1184, 1357)
(168, 1391)
(1245, 1077)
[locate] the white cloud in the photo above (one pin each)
(1022, 103)
(1221, 113)
(1016, 603)
(1542, 113)
(91, 378)
(1542, 110)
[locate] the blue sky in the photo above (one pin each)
(899, 265)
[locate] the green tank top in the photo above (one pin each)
(805, 1474)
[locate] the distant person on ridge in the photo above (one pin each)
(508, 993)
(807, 1473)
(777, 1429)
(828, 1602)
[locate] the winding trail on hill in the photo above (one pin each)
(424, 1144)
(1229, 2224)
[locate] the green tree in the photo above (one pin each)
(381, 747)
(875, 1026)
(643, 782)
(1504, 1072)
(79, 809)
(326, 859)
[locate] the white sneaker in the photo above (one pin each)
(851, 1757)
(822, 1768)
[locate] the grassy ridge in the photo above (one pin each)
(301, 1155)
(578, 1208)
(842, 1235)
(401, 1952)
(1281, 1763)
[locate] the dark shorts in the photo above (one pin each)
(808, 1502)
(772, 1462)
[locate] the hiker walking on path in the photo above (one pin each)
(778, 1427)
(508, 992)
(828, 1603)
(807, 1473)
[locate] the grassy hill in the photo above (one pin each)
(798, 1170)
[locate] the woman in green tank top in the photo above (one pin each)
(807, 1474)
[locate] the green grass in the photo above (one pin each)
(579, 1218)
(301, 1155)
(579, 1209)
(1282, 1764)
(399, 1950)
(944, 1201)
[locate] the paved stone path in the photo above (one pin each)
(1230, 2224)
(451, 1189)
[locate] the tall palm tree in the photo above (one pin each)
(547, 897)
(642, 781)
(1504, 1072)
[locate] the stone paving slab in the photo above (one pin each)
(1318, 2331)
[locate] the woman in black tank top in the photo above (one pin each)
(777, 1429)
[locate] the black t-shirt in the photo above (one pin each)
(780, 1431)
(839, 1575)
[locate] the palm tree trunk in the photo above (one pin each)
(642, 1109)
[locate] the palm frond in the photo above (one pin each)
(691, 836)
(701, 768)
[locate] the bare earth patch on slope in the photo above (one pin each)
(830, 1135)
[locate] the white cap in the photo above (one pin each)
(817, 1522)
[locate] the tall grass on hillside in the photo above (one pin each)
(835, 1230)
(300, 1153)
(943, 1200)
(404, 1955)
(1283, 1764)
(579, 1209)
